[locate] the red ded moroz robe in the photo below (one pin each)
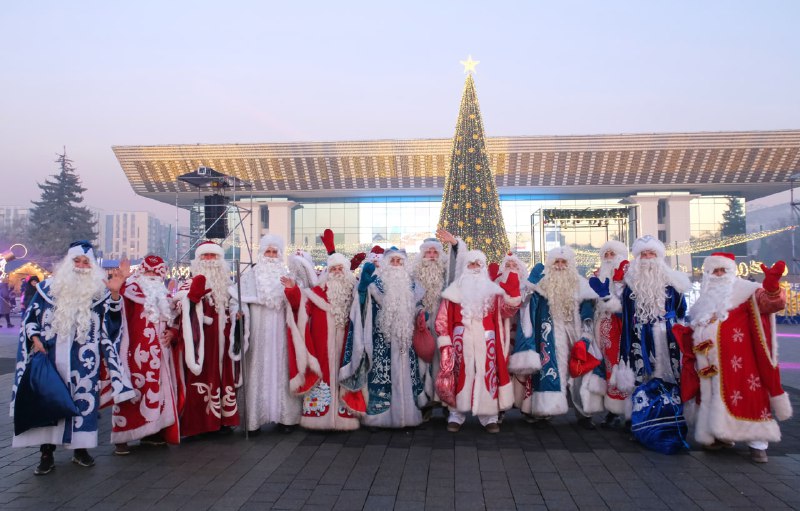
(326, 405)
(737, 364)
(483, 385)
(150, 366)
(206, 366)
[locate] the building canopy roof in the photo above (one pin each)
(750, 164)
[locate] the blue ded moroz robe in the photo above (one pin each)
(78, 362)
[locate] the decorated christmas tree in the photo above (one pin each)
(470, 205)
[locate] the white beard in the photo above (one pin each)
(477, 294)
(217, 279)
(396, 315)
(339, 289)
(431, 275)
(73, 291)
(607, 267)
(648, 280)
(156, 302)
(714, 299)
(560, 287)
(269, 289)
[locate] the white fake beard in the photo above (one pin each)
(74, 290)
(477, 293)
(396, 315)
(156, 302)
(217, 279)
(560, 287)
(648, 280)
(340, 296)
(269, 289)
(607, 267)
(431, 275)
(714, 299)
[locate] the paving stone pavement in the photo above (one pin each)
(553, 466)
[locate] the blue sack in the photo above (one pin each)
(657, 419)
(42, 396)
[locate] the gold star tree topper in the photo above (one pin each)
(469, 64)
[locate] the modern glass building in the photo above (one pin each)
(579, 190)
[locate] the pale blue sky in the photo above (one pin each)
(92, 74)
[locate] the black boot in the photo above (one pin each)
(586, 423)
(47, 462)
(81, 457)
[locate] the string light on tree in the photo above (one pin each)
(470, 204)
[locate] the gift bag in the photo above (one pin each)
(42, 396)
(423, 341)
(657, 419)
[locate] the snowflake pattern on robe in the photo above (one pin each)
(317, 402)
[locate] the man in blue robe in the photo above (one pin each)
(75, 318)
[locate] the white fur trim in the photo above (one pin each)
(595, 384)
(525, 362)
(781, 406)
(680, 281)
(77, 250)
(623, 378)
(300, 263)
(337, 258)
(592, 391)
(742, 291)
(619, 248)
(713, 262)
(615, 406)
(303, 358)
(612, 305)
(564, 252)
(648, 242)
(195, 365)
(443, 340)
(270, 240)
(209, 248)
(585, 291)
(547, 404)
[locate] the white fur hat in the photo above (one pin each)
(564, 252)
(720, 260)
(209, 247)
(475, 256)
(431, 243)
(513, 257)
(648, 242)
(338, 258)
(81, 248)
(619, 248)
(270, 240)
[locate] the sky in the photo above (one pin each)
(88, 75)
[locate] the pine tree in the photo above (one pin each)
(57, 218)
(470, 205)
(734, 222)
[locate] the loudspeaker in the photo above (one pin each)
(215, 212)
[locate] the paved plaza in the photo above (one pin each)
(554, 466)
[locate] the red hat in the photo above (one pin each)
(724, 254)
(720, 260)
(209, 247)
(377, 249)
(154, 264)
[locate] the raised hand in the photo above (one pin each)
(288, 282)
(772, 276)
(118, 276)
(537, 272)
(356, 260)
(494, 271)
(197, 290)
(619, 273)
(446, 237)
(511, 285)
(601, 288)
(327, 240)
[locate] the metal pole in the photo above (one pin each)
(240, 323)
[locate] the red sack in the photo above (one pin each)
(581, 361)
(423, 342)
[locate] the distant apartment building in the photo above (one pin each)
(134, 234)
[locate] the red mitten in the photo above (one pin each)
(197, 289)
(327, 240)
(690, 382)
(355, 262)
(580, 360)
(772, 276)
(511, 285)
(619, 273)
(494, 271)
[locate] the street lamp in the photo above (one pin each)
(795, 216)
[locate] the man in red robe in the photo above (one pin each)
(152, 415)
(209, 371)
(735, 345)
(474, 376)
(335, 370)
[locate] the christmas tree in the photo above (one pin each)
(57, 218)
(470, 205)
